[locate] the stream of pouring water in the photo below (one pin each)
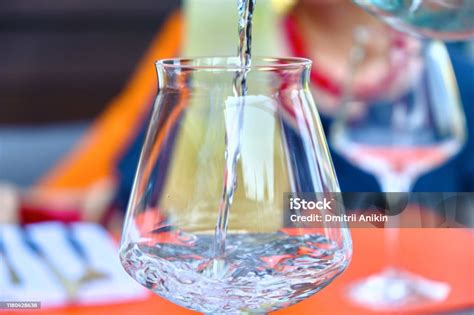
(233, 134)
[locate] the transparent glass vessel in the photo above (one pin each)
(180, 242)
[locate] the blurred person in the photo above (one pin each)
(321, 30)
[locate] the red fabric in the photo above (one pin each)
(33, 214)
(299, 50)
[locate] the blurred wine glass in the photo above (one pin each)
(435, 19)
(411, 123)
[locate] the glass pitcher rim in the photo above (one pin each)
(230, 63)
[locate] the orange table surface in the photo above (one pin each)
(439, 254)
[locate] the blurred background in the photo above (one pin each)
(62, 62)
(77, 84)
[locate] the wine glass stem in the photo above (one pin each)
(393, 183)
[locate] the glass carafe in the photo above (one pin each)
(450, 20)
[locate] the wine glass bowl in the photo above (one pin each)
(408, 128)
(173, 242)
